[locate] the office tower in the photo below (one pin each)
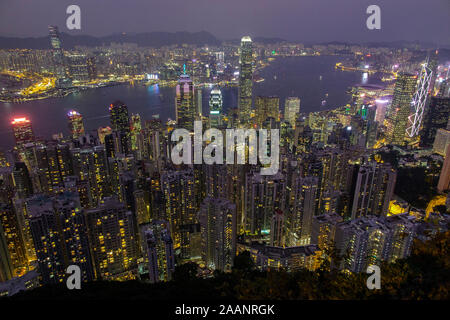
(245, 80)
(76, 126)
(215, 108)
(47, 240)
(113, 241)
(23, 133)
(217, 218)
(120, 123)
(373, 190)
(263, 196)
(432, 64)
(304, 199)
(184, 103)
(401, 107)
(57, 52)
(14, 240)
(220, 62)
(199, 103)
(180, 206)
(136, 130)
(267, 107)
(444, 178)
(157, 246)
(91, 166)
(6, 266)
(324, 230)
(436, 117)
(442, 141)
(292, 110)
(22, 181)
(73, 233)
(419, 100)
(277, 229)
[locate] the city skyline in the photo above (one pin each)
(245, 169)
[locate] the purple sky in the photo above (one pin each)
(302, 20)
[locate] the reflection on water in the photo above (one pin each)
(313, 79)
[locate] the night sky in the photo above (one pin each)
(296, 20)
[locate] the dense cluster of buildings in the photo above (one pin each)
(112, 202)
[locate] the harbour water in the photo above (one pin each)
(313, 79)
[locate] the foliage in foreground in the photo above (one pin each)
(423, 275)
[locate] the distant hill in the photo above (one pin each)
(149, 39)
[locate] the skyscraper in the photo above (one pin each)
(401, 107)
(215, 108)
(373, 190)
(245, 80)
(436, 117)
(46, 239)
(157, 246)
(291, 110)
(120, 123)
(23, 132)
(185, 103)
(217, 218)
(76, 126)
(57, 51)
(13, 237)
(113, 241)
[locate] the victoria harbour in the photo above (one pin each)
(313, 79)
(223, 157)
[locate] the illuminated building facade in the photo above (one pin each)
(267, 107)
(217, 219)
(436, 117)
(23, 132)
(401, 107)
(76, 125)
(185, 103)
(245, 80)
(178, 188)
(58, 54)
(292, 110)
(263, 196)
(374, 189)
(419, 101)
(113, 241)
(157, 247)
(215, 108)
(120, 123)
